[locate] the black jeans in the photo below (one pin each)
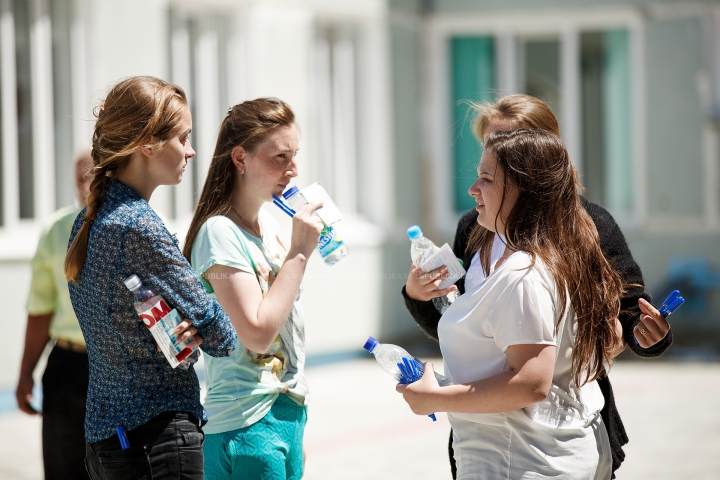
(65, 385)
(167, 446)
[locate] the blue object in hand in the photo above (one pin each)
(671, 303)
(411, 372)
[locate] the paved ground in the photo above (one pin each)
(359, 428)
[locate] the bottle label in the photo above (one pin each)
(162, 321)
(328, 241)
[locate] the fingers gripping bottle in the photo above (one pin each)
(157, 316)
(332, 249)
(402, 366)
(422, 248)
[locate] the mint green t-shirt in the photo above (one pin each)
(242, 387)
(48, 287)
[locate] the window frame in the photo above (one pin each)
(506, 28)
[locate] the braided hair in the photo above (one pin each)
(135, 110)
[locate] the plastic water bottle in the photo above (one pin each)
(422, 248)
(389, 356)
(402, 366)
(157, 316)
(332, 249)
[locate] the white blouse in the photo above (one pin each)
(558, 437)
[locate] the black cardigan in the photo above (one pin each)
(614, 246)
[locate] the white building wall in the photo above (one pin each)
(268, 53)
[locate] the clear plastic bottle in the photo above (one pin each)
(331, 248)
(422, 248)
(157, 316)
(388, 356)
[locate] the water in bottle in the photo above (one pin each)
(157, 316)
(422, 248)
(389, 356)
(402, 366)
(332, 249)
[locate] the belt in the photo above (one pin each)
(73, 347)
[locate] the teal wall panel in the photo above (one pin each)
(473, 80)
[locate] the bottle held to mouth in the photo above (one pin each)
(330, 246)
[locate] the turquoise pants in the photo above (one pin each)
(270, 449)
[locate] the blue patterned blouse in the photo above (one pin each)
(130, 380)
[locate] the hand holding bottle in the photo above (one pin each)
(306, 229)
(422, 394)
(423, 286)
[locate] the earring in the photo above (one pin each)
(242, 172)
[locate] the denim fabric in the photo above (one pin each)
(271, 449)
(130, 380)
(168, 446)
(65, 384)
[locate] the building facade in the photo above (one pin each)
(378, 88)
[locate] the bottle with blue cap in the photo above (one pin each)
(402, 366)
(422, 248)
(331, 248)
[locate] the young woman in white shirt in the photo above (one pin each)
(525, 347)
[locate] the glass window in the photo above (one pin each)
(606, 119)
(22, 16)
(541, 71)
(334, 91)
(473, 79)
(60, 13)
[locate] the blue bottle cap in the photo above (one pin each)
(290, 192)
(370, 344)
(414, 232)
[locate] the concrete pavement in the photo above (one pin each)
(359, 428)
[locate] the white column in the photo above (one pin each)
(206, 121)
(571, 99)
(508, 63)
(83, 120)
(8, 82)
(237, 60)
(181, 75)
(42, 110)
(345, 181)
(376, 177)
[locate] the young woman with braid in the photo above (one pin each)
(141, 140)
(637, 317)
(526, 346)
(257, 396)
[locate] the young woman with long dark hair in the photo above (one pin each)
(526, 346)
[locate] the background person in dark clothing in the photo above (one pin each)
(638, 318)
(51, 317)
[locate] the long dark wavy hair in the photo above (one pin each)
(549, 222)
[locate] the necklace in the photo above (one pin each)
(250, 227)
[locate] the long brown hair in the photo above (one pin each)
(518, 111)
(549, 222)
(246, 125)
(134, 110)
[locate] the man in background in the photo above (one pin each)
(51, 318)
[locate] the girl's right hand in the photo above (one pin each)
(421, 286)
(306, 228)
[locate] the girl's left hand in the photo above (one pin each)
(185, 330)
(652, 327)
(421, 395)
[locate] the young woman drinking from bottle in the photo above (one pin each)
(141, 140)
(526, 346)
(256, 397)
